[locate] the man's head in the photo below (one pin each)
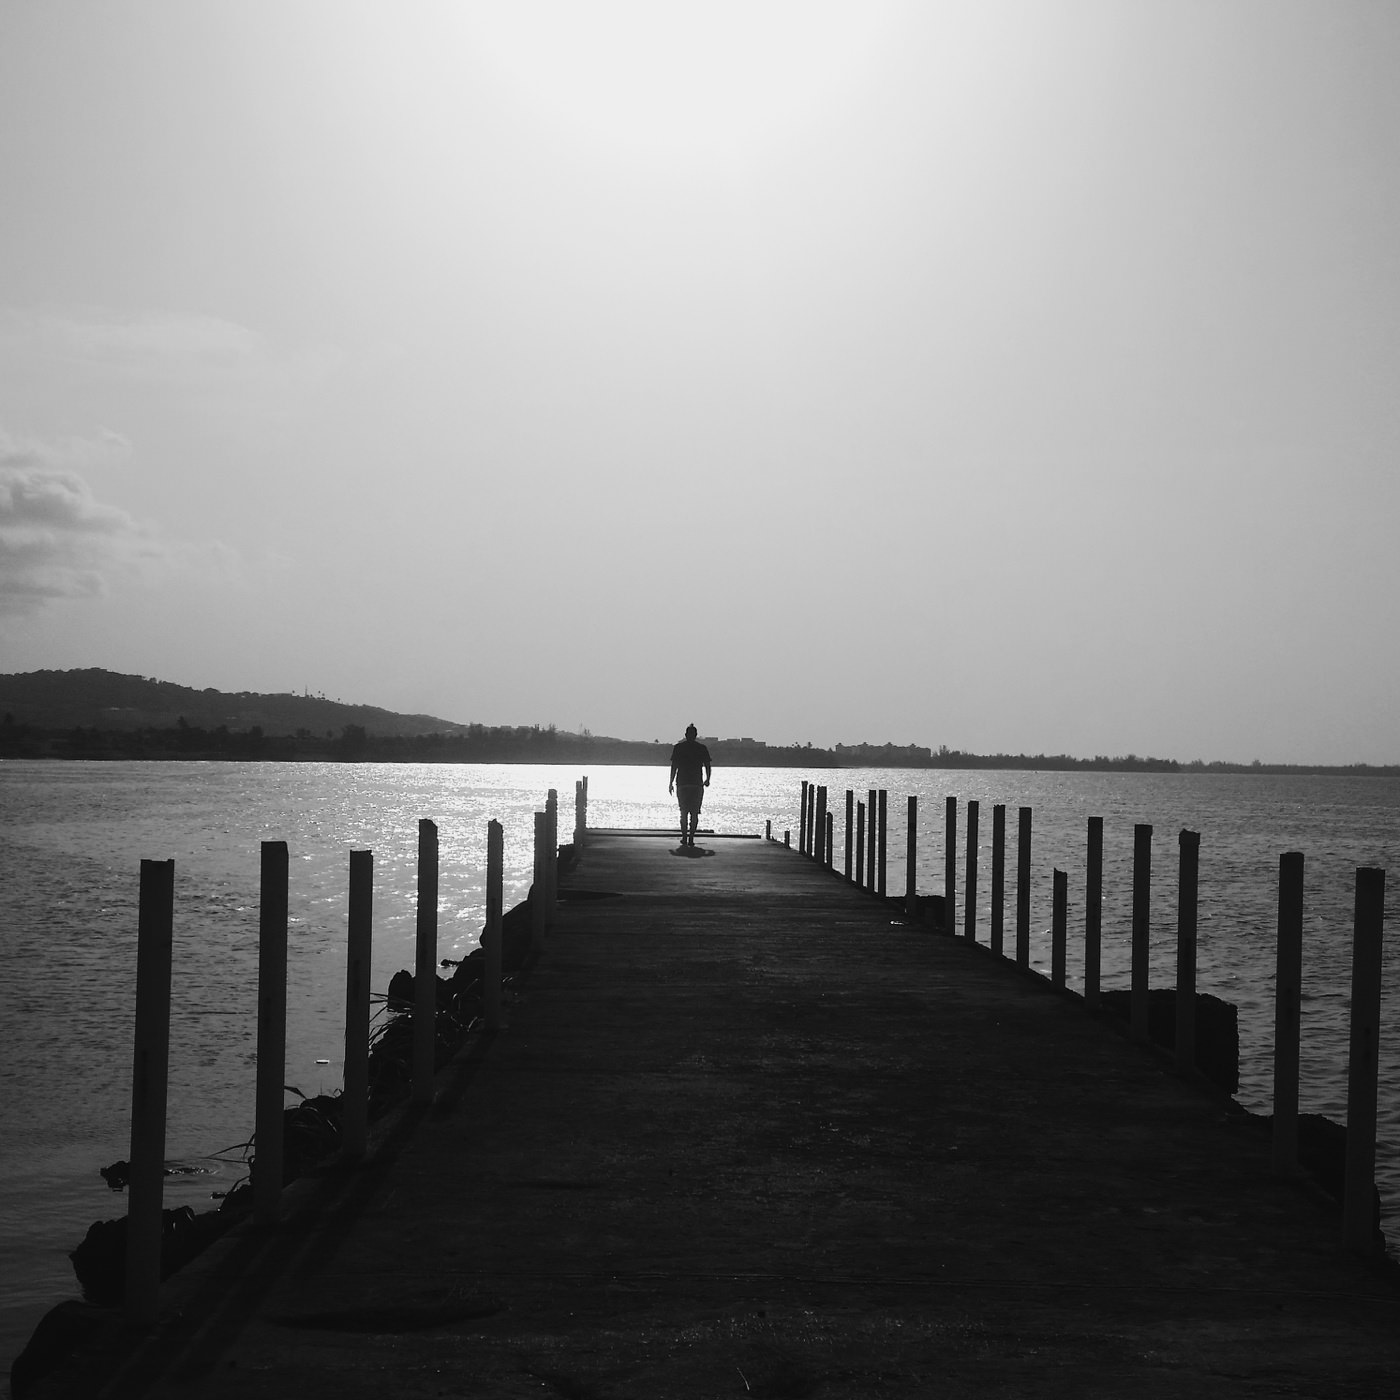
(691, 731)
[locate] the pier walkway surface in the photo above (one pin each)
(750, 1133)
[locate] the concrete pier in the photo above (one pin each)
(747, 1131)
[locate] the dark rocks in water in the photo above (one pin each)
(401, 990)
(310, 1134)
(117, 1175)
(1217, 1030)
(100, 1260)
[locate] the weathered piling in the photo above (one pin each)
(872, 821)
(998, 922)
(149, 1079)
(1358, 1225)
(538, 893)
(425, 965)
(830, 841)
(551, 859)
(1288, 999)
(1059, 926)
(1093, 913)
(860, 843)
(911, 851)
(1023, 888)
(1187, 877)
(850, 829)
(491, 933)
(970, 879)
(802, 817)
(884, 824)
(354, 1125)
(819, 851)
(950, 864)
(272, 1033)
(1140, 1011)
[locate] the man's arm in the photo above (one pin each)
(671, 786)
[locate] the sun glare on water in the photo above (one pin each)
(706, 84)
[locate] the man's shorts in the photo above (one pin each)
(690, 796)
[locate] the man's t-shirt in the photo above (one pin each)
(690, 758)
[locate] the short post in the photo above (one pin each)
(884, 826)
(830, 839)
(354, 1126)
(1093, 914)
(1023, 888)
(491, 934)
(998, 877)
(538, 894)
(580, 818)
(802, 819)
(860, 843)
(872, 821)
(272, 1034)
(1186, 884)
(911, 851)
(787, 836)
(1059, 928)
(1358, 1194)
(850, 830)
(1288, 999)
(950, 865)
(970, 879)
(819, 849)
(425, 966)
(768, 829)
(150, 1074)
(1138, 1000)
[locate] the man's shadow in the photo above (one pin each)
(692, 852)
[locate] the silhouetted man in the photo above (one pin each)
(689, 760)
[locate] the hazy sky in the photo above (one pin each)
(1006, 376)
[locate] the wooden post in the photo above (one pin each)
(1288, 999)
(950, 865)
(1093, 914)
(819, 849)
(860, 843)
(911, 851)
(150, 1073)
(425, 966)
(579, 817)
(1023, 888)
(538, 895)
(872, 822)
(970, 880)
(998, 877)
(272, 1034)
(884, 825)
(802, 819)
(1187, 878)
(491, 934)
(1059, 928)
(768, 829)
(1358, 1197)
(354, 1126)
(830, 839)
(850, 829)
(1138, 999)
(551, 859)
(787, 836)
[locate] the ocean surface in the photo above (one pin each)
(72, 836)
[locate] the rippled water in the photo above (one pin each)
(72, 836)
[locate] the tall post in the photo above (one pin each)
(491, 934)
(884, 824)
(872, 823)
(950, 865)
(850, 829)
(551, 858)
(538, 894)
(860, 843)
(1138, 999)
(354, 1126)
(1358, 1196)
(150, 1073)
(425, 966)
(830, 840)
(819, 850)
(1187, 878)
(1059, 928)
(802, 818)
(1023, 888)
(911, 851)
(272, 1033)
(1288, 999)
(997, 934)
(970, 880)
(1093, 914)
(580, 820)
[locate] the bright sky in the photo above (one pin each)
(1011, 376)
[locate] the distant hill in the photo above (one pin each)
(105, 700)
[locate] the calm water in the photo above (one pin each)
(72, 836)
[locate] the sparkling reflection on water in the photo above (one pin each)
(72, 836)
